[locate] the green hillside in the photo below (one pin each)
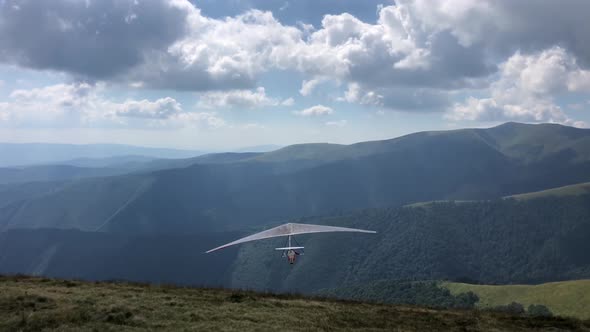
(567, 298)
(525, 142)
(33, 304)
(571, 190)
(534, 142)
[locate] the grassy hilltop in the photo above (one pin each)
(33, 304)
(565, 298)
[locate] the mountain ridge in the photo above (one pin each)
(213, 193)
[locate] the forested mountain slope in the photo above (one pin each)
(502, 241)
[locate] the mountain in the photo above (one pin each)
(502, 241)
(522, 142)
(237, 191)
(11, 193)
(34, 304)
(120, 162)
(209, 158)
(19, 154)
(175, 259)
(87, 204)
(502, 205)
(259, 148)
(54, 173)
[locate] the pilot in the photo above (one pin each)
(291, 254)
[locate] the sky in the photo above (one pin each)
(227, 74)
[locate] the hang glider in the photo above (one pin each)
(290, 230)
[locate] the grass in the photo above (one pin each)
(34, 304)
(567, 298)
(571, 190)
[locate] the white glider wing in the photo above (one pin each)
(291, 229)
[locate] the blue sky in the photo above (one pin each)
(224, 74)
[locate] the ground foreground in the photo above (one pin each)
(34, 304)
(565, 298)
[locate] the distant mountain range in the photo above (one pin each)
(234, 191)
(259, 148)
(467, 229)
(15, 154)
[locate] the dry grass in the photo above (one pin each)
(34, 304)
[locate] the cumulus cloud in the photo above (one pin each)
(73, 36)
(413, 57)
(198, 119)
(505, 26)
(315, 111)
(221, 54)
(526, 89)
(237, 99)
(307, 87)
(83, 104)
(355, 94)
(56, 104)
(162, 108)
(195, 52)
(397, 98)
(288, 102)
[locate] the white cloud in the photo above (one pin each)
(339, 123)
(74, 34)
(82, 104)
(56, 104)
(288, 102)
(526, 88)
(236, 99)
(221, 54)
(413, 57)
(162, 108)
(579, 81)
(4, 112)
(198, 119)
(307, 87)
(549, 72)
(315, 111)
(355, 94)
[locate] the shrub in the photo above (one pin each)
(539, 310)
(513, 308)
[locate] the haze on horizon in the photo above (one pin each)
(222, 75)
